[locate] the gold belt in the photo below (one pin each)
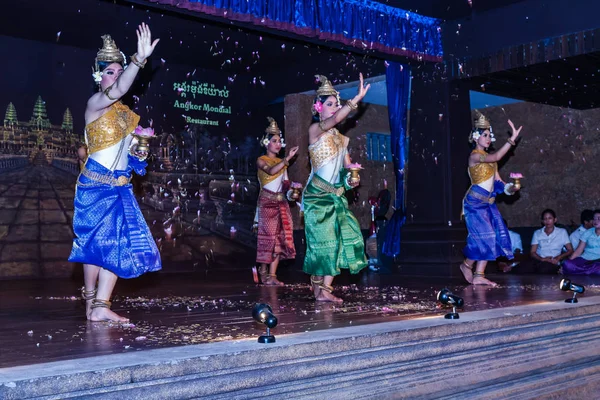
(271, 195)
(328, 187)
(102, 178)
(481, 197)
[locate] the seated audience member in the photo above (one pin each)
(585, 260)
(587, 221)
(517, 249)
(547, 247)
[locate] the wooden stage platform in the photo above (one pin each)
(43, 320)
(192, 336)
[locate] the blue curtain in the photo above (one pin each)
(365, 24)
(398, 96)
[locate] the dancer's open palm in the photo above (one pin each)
(362, 89)
(515, 132)
(145, 45)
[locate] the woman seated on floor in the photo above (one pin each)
(547, 247)
(586, 258)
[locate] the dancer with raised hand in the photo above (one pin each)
(112, 238)
(333, 237)
(488, 237)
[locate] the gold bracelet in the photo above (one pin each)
(286, 162)
(511, 142)
(138, 63)
(351, 106)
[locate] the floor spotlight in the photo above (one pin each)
(264, 314)
(445, 296)
(569, 286)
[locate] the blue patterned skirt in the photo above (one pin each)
(488, 236)
(109, 226)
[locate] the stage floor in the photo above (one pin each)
(43, 320)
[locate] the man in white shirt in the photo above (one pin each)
(587, 221)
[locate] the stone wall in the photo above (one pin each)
(370, 118)
(557, 154)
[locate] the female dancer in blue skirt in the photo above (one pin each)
(488, 236)
(112, 237)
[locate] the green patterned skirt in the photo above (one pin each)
(333, 237)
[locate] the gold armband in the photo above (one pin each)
(107, 91)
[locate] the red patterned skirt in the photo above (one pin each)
(275, 228)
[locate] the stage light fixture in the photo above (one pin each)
(264, 314)
(446, 297)
(569, 286)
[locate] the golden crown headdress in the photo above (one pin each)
(272, 129)
(109, 53)
(326, 88)
(481, 122)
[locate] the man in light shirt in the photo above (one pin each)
(587, 221)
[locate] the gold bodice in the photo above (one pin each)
(326, 148)
(265, 178)
(482, 171)
(110, 128)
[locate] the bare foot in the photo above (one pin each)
(88, 308)
(315, 282)
(316, 291)
(480, 280)
(326, 296)
(88, 296)
(264, 274)
(466, 271)
(101, 314)
(273, 281)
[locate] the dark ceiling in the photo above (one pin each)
(218, 45)
(287, 65)
(184, 39)
(572, 82)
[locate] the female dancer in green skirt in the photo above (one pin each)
(333, 237)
